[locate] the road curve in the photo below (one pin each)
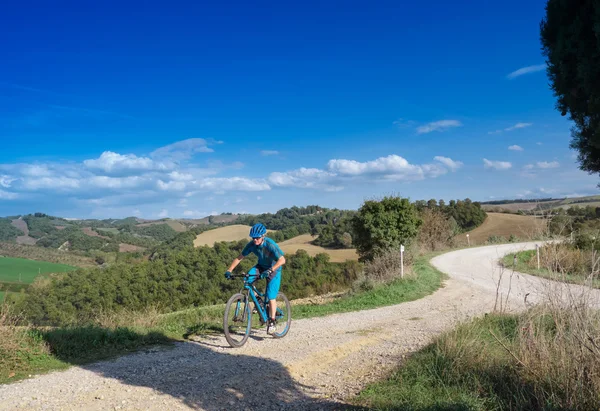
(319, 365)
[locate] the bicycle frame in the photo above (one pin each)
(251, 291)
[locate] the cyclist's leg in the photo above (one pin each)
(272, 290)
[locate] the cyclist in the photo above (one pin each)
(270, 260)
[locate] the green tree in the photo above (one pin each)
(385, 224)
(570, 36)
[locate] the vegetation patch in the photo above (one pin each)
(537, 360)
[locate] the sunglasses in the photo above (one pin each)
(256, 238)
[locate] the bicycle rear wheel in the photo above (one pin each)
(236, 321)
(283, 315)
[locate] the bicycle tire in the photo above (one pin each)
(237, 336)
(284, 308)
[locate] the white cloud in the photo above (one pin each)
(5, 181)
(448, 162)
(441, 125)
(546, 164)
(116, 182)
(526, 70)
(338, 171)
(392, 164)
(184, 149)
(164, 213)
(518, 126)
(177, 176)
(515, 148)
(538, 143)
(114, 162)
(7, 195)
(269, 152)
(35, 171)
(302, 178)
(171, 185)
(542, 165)
(258, 198)
(51, 183)
(512, 128)
(232, 184)
(498, 165)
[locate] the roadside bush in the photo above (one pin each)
(564, 259)
(385, 267)
(495, 239)
(383, 225)
(437, 230)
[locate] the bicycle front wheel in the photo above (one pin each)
(236, 321)
(283, 316)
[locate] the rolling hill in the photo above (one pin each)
(500, 224)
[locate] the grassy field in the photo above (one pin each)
(498, 362)
(302, 242)
(234, 232)
(526, 263)
(45, 254)
(591, 203)
(514, 207)
(15, 270)
(175, 225)
(499, 224)
(25, 351)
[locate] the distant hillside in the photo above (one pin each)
(505, 225)
(538, 205)
(129, 234)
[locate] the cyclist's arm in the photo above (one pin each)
(279, 263)
(277, 252)
(235, 263)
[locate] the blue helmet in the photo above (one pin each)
(258, 230)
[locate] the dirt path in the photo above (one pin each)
(319, 364)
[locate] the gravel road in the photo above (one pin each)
(319, 365)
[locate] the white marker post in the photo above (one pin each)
(401, 261)
(468, 241)
(537, 251)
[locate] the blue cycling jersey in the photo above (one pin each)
(268, 252)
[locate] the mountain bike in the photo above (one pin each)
(239, 318)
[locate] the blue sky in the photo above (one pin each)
(115, 109)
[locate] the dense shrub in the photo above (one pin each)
(174, 280)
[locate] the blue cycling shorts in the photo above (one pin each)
(272, 285)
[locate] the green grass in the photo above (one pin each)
(466, 369)
(26, 351)
(20, 270)
(524, 265)
(82, 345)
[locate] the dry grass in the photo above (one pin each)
(90, 232)
(591, 203)
(174, 224)
(18, 345)
(126, 248)
(235, 232)
(503, 225)
(303, 242)
(514, 207)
